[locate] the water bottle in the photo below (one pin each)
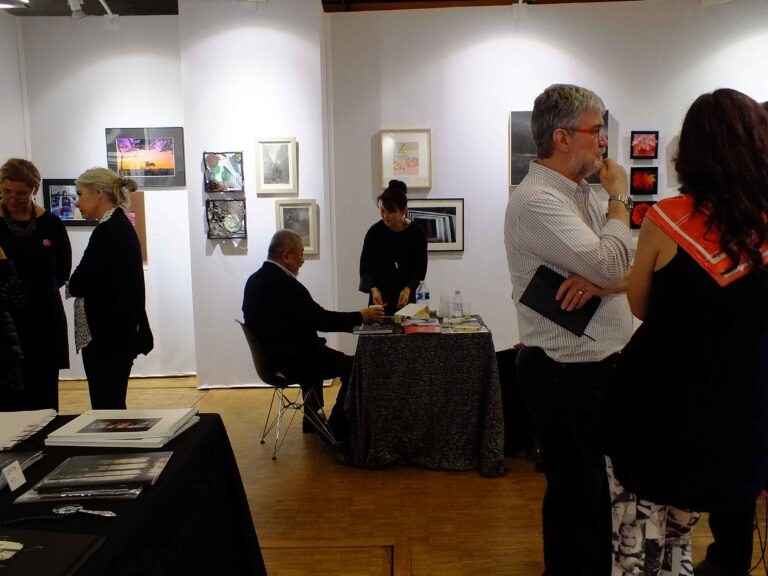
(422, 294)
(457, 309)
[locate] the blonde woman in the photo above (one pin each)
(111, 326)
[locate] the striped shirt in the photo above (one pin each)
(551, 220)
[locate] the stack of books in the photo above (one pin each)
(124, 428)
(18, 426)
(99, 476)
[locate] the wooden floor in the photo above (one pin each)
(314, 516)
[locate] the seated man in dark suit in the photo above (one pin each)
(281, 313)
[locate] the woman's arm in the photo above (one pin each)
(63, 251)
(368, 260)
(13, 292)
(651, 245)
(93, 267)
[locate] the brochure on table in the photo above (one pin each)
(18, 426)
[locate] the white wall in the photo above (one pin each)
(14, 140)
(249, 73)
(460, 71)
(82, 78)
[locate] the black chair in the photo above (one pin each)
(272, 377)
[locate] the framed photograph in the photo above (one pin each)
(644, 144)
(59, 198)
(643, 180)
(276, 166)
(442, 221)
(226, 219)
(300, 216)
(522, 148)
(406, 155)
(223, 171)
(639, 210)
(154, 157)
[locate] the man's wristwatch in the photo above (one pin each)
(624, 199)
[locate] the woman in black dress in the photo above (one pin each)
(111, 326)
(394, 257)
(36, 242)
(687, 412)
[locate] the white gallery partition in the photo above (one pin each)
(231, 73)
(82, 78)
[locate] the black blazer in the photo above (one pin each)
(281, 312)
(110, 278)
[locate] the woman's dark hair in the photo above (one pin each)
(722, 163)
(394, 198)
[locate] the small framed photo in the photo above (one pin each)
(643, 180)
(406, 155)
(154, 157)
(60, 197)
(639, 210)
(299, 215)
(276, 166)
(442, 221)
(644, 144)
(226, 219)
(223, 171)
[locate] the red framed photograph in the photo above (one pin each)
(643, 180)
(639, 210)
(644, 144)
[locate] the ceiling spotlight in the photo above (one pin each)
(77, 9)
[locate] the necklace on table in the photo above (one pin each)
(14, 227)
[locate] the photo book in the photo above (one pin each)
(18, 426)
(540, 293)
(45, 553)
(124, 428)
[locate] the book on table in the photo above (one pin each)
(45, 553)
(99, 476)
(124, 428)
(422, 326)
(18, 426)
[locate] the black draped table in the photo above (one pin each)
(195, 520)
(431, 400)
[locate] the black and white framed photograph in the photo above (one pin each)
(226, 219)
(60, 199)
(154, 157)
(276, 166)
(223, 171)
(442, 221)
(299, 215)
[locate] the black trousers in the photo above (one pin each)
(731, 550)
(565, 402)
(107, 372)
(326, 363)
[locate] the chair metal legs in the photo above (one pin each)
(297, 405)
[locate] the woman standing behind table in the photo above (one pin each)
(687, 412)
(36, 242)
(394, 257)
(111, 325)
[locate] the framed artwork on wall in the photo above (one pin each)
(406, 155)
(442, 221)
(644, 144)
(223, 171)
(639, 210)
(276, 166)
(226, 219)
(299, 215)
(643, 180)
(59, 198)
(154, 157)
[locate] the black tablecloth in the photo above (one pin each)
(431, 400)
(194, 520)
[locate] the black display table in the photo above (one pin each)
(194, 520)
